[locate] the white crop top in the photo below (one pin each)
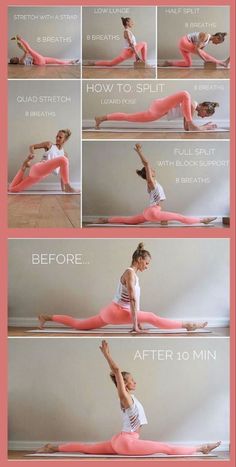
(28, 60)
(194, 38)
(176, 112)
(52, 153)
(156, 195)
(132, 38)
(122, 295)
(133, 417)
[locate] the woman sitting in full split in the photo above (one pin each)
(173, 107)
(194, 43)
(31, 57)
(127, 442)
(156, 195)
(124, 308)
(131, 48)
(55, 160)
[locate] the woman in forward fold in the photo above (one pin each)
(124, 309)
(127, 442)
(156, 195)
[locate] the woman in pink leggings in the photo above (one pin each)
(172, 107)
(156, 195)
(31, 57)
(124, 308)
(127, 442)
(194, 43)
(55, 160)
(131, 48)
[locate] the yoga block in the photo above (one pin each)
(210, 66)
(226, 220)
(139, 65)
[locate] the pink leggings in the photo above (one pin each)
(154, 214)
(187, 48)
(127, 444)
(38, 172)
(158, 108)
(125, 55)
(115, 314)
(40, 59)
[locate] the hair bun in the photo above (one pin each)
(216, 104)
(140, 246)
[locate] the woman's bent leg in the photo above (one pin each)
(160, 107)
(42, 169)
(157, 321)
(19, 183)
(56, 61)
(104, 447)
(132, 220)
(142, 47)
(125, 55)
(141, 117)
(83, 324)
(38, 58)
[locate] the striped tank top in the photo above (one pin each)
(133, 417)
(122, 295)
(156, 195)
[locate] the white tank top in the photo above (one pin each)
(176, 112)
(122, 295)
(194, 38)
(28, 60)
(52, 153)
(133, 417)
(132, 38)
(156, 195)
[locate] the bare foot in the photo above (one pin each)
(101, 220)
(42, 320)
(76, 61)
(166, 63)
(27, 162)
(14, 38)
(194, 326)
(49, 448)
(207, 220)
(68, 189)
(89, 63)
(226, 62)
(206, 448)
(98, 121)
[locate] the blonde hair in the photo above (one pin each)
(124, 374)
(140, 252)
(67, 133)
(210, 107)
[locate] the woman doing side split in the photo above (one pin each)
(176, 106)
(55, 160)
(127, 442)
(194, 43)
(124, 308)
(131, 48)
(31, 57)
(156, 195)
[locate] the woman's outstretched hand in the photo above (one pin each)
(137, 148)
(104, 348)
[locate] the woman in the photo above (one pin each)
(55, 160)
(127, 442)
(156, 195)
(173, 107)
(31, 57)
(124, 308)
(194, 43)
(131, 48)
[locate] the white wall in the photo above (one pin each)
(103, 30)
(37, 110)
(187, 278)
(195, 177)
(51, 31)
(104, 97)
(175, 22)
(61, 390)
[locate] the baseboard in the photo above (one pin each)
(157, 124)
(195, 63)
(92, 219)
(33, 322)
(126, 64)
(51, 186)
(33, 445)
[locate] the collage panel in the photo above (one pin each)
(199, 43)
(116, 45)
(71, 409)
(44, 42)
(165, 286)
(44, 154)
(156, 184)
(169, 109)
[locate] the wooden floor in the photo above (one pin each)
(44, 72)
(155, 135)
(189, 73)
(118, 73)
(22, 332)
(43, 211)
(222, 455)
